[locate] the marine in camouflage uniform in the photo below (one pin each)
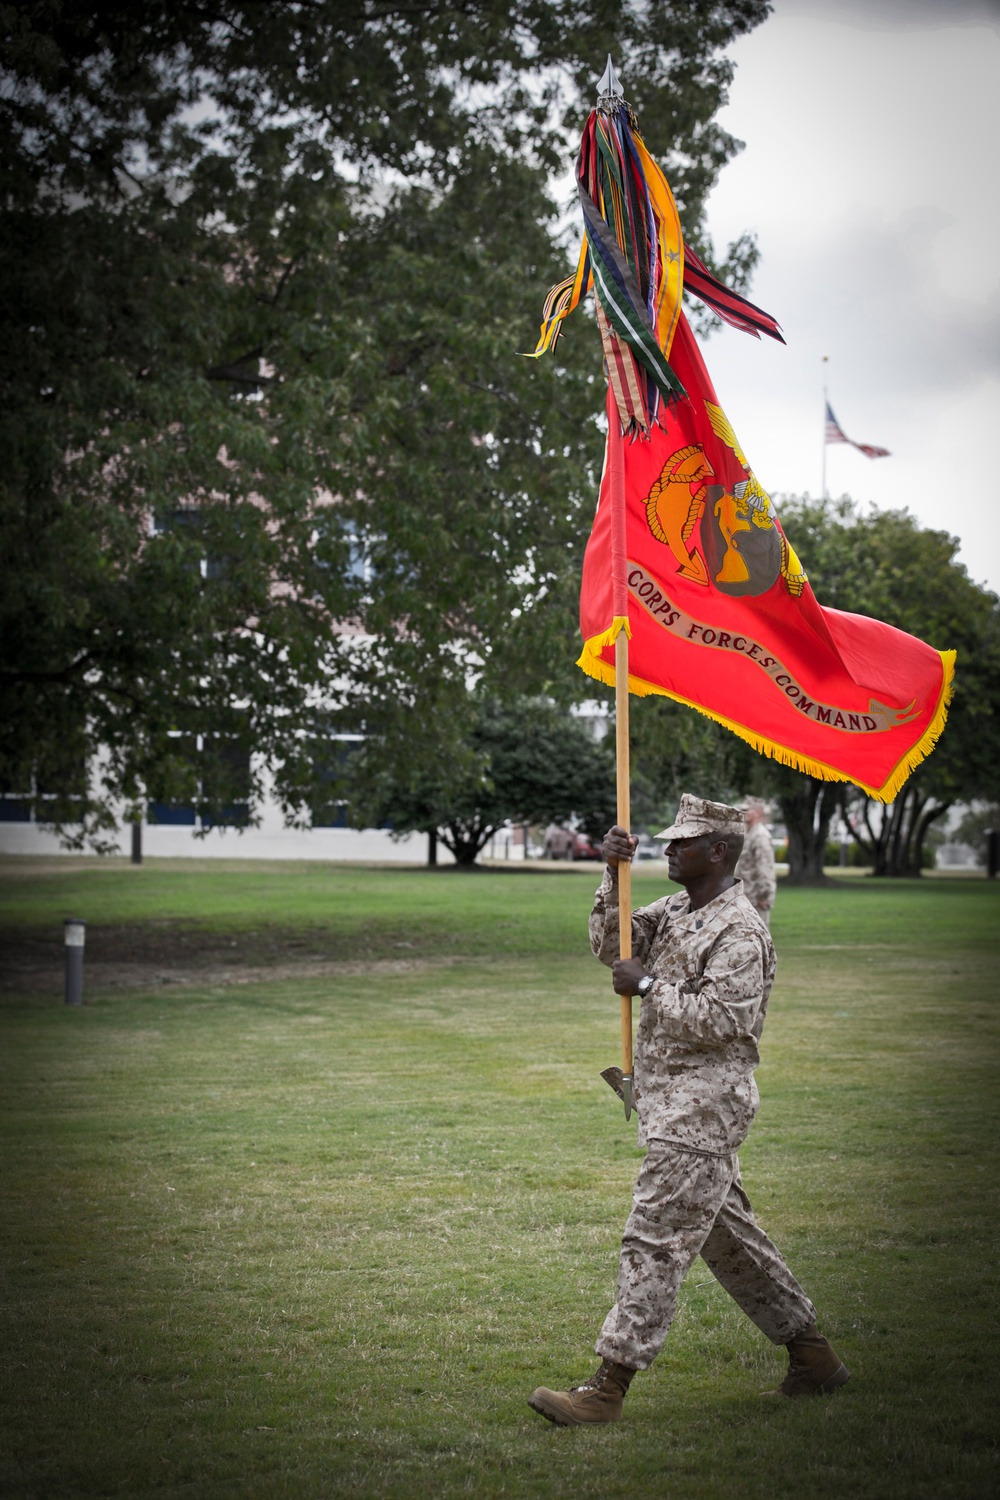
(703, 964)
(756, 864)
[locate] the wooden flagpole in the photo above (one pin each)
(624, 866)
(619, 563)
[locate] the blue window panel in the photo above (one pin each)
(236, 815)
(61, 810)
(172, 814)
(14, 810)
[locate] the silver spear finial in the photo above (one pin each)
(609, 90)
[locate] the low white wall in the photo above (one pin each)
(270, 841)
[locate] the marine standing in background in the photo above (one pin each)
(756, 865)
(703, 969)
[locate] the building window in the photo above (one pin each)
(172, 814)
(15, 807)
(52, 790)
(220, 794)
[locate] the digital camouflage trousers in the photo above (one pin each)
(686, 1204)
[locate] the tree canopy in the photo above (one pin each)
(885, 564)
(269, 443)
(525, 761)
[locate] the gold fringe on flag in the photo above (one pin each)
(592, 662)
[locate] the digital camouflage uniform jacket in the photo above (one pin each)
(756, 867)
(696, 1046)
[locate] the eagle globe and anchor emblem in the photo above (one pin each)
(744, 552)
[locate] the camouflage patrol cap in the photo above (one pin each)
(696, 816)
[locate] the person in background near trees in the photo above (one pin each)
(703, 967)
(756, 866)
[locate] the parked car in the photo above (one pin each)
(585, 847)
(564, 843)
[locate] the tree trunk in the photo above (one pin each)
(923, 829)
(466, 841)
(896, 846)
(432, 848)
(808, 806)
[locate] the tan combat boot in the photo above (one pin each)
(598, 1400)
(814, 1366)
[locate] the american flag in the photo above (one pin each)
(835, 434)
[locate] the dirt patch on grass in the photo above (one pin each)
(148, 955)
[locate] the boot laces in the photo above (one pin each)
(596, 1381)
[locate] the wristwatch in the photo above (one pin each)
(644, 986)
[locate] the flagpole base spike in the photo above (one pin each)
(621, 1083)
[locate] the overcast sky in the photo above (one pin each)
(870, 178)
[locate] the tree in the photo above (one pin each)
(808, 807)
(884, 564)
(525, 761)
(270, 255)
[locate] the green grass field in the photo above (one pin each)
(322, 1181)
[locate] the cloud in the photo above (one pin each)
(863, 175)
(876, 289)
(894, 15)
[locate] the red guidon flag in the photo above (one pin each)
(720, 615)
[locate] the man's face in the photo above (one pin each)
(687, 859)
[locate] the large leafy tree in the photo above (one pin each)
(524, 761)
(884, 564)
(267, 267)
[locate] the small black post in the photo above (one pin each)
(137, 842)
(992, 852)
(74, 934)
